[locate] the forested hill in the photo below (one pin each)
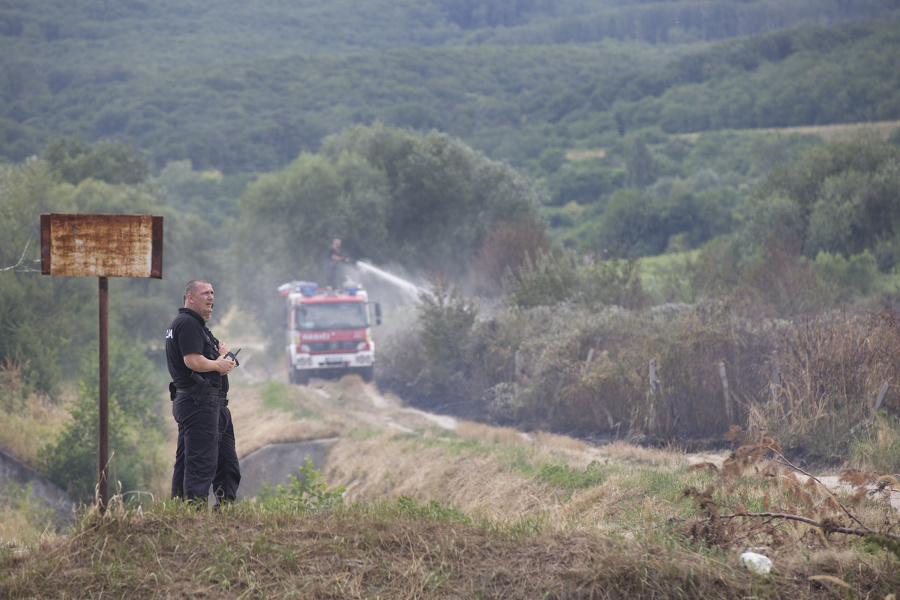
(173, 33)
(245, 87)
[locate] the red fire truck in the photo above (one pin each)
(329, 332)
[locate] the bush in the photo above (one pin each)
(825, 375)
(611, 282)
(507, 246)
(307, 493)
(878, 447)
(854, 276)
(445, 319)
(551, 278)
(136, 430)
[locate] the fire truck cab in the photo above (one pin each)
(329, 331)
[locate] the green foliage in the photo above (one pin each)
(433, 511)
(563, 476)
(668, 277)
(445, 318)
(640, 168)
(110, 162)
(35, 312)
(550, 278)
(304, 494)
(235, 104)
(208, 195)
(390, 195)
(585, 181)
(838, 199)
(555, 276)
(22, 501)
(611, 282)
(136, 429)
(856, 275)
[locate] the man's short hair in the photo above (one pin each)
(191, 288)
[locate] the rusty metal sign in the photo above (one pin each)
(98, 245)
(102, 246)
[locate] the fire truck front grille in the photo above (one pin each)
(332, 346)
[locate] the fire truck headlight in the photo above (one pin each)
(304, 348)
(362, 346)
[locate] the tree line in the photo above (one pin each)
(513, 103)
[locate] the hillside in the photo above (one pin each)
(243, 88)
(166, 33)
(437, 508)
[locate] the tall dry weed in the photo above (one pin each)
(830, 371)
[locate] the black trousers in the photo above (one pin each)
(197, 448)
(228, 469)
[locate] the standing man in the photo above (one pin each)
(332, 269)
(199, 389)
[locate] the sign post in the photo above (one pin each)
(103, 246)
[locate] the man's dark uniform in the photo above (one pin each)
(205, 453)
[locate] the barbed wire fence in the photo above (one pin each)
(23, 266)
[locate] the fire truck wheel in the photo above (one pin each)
(290, 370)
(300, 377)
(368, 374)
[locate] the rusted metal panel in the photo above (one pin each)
(157, 249)
(45, 244)
(100, 245)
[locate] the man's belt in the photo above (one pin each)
(203, 391)
(223, 398)
(190, 389)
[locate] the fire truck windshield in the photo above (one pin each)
(334, 315)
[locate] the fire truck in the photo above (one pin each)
(329, 332)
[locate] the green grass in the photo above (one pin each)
(281, 397)
(665, 277)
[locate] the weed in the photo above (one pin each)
(432, 510)
(878, 446)
(307, 493)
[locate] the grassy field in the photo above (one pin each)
(826, 132)
(414, 506)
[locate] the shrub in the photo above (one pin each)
(827, 372)
(854, 276)
(878, 446)
(135, 430)
(307, 493)
(432, 356)
(611, 282)
(507, 245)
(780, 279)
(551, 278)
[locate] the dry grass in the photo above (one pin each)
(432, 512)
(826, 132)
(22, 434)
(372, 550)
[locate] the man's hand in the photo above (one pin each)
(224, 366)
(200, 364)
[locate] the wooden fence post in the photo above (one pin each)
(727, 395)
(654, 396)
(587, 362)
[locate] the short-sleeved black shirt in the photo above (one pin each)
(188, 335)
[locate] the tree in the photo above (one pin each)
(640, 168)
(111, 162)
(423, 201)
(506, 247)
(846, 192)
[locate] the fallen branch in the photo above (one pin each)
(823, 525)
